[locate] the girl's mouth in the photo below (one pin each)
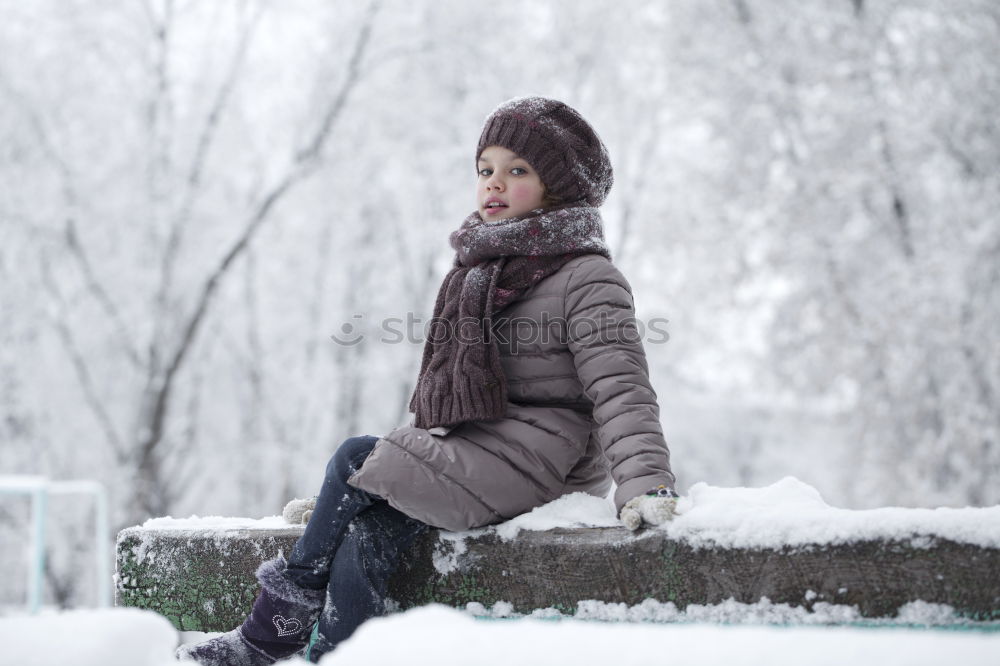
(494, 206)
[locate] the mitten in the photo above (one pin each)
(298, 511)
(654, 508)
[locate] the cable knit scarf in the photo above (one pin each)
(461, 378)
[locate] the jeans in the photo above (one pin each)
(351, 545)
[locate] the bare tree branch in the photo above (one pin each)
(73, 241)
(900, 209)
(90, 393)
(310, 154)
(305, 162)
(205, 141)
(101, 295)
(158, 112)
(788, 123)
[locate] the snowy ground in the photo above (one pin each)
(444, 637)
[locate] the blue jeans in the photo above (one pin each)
(351, 545)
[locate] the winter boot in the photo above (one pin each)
(278, 627)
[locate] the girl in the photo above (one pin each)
(533, 384)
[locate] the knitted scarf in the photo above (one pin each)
(461, 378)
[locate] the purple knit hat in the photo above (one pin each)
(557, 142)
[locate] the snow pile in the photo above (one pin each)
(106, 637)
(574, 510)
(792, 513)
(788, 512)
(220, 523)
(444, 637)
(912, 614)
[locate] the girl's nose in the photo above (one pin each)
(494, 183)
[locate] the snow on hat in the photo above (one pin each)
(557, 142)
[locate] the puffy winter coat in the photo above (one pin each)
(580, 412)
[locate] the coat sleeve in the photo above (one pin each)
(611, 362)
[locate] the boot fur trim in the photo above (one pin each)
(271, 577)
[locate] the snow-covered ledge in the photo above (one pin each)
(781, 543)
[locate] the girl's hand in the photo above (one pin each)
(654, 508)
(298, 511)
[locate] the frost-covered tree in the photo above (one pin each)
(195, 197)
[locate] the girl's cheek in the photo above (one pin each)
(522, 192)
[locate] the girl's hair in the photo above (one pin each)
(549, 199)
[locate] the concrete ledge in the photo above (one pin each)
(202, 579)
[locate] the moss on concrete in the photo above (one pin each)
(205, 580)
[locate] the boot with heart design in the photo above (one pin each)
(278, 627)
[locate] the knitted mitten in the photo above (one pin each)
(298, 511)
(654, 508)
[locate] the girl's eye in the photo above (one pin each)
(485, 172)
(517, 171)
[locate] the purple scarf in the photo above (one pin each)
(461, 378)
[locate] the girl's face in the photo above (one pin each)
(507, 185)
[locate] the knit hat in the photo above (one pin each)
(557, 142)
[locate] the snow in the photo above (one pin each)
(222, 529)
(443, 636)
(447, 551)
(786, 513)
(220, 523)
(912, 614)
(435, 634)
(792, 513)
(573, 510)
(106, 637)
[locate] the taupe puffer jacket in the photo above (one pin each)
(581, 411)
